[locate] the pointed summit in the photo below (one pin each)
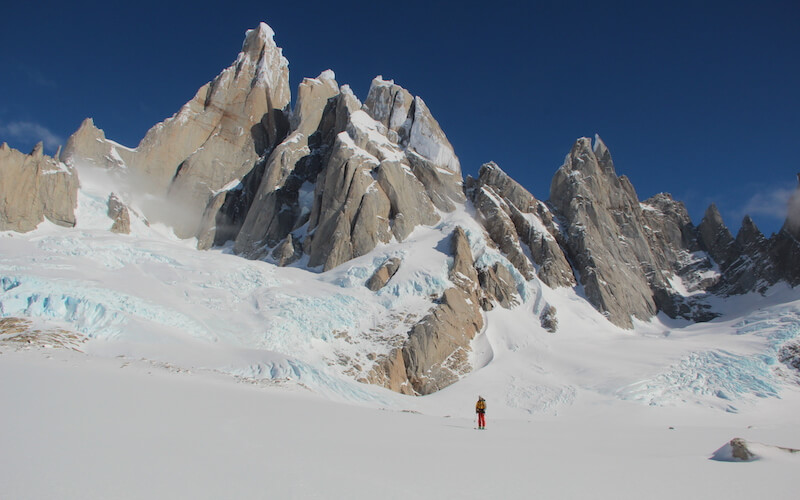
(603, 155)
(716, 238)
(255, 39)
(792, 223)
(749, 233)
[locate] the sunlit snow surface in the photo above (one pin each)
(149, 295)
(728, 376)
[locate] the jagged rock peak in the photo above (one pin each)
(606, 235)
(716, 238)
(89, 145)
(388, 103)
(512, 216)
(749, 232)
(491, 174)
(259, 46)
(792, 223)
(312, 97)
(34, 187)
(712, 215)
(255, 39)
(38, 150)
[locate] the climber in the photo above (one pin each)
(480, 409)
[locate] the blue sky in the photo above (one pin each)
(698, 99)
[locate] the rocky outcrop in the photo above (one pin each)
(436, 352)
(784, 251)
(276, 198)
(624, 251)
(119, 213)
(213, 140)
(673, 239)
(717, 239)
(334, 178)
(89, 145)
(287, 252)
(752, 262)
(499, 287)
(390, 372)
(348, 176)
(383, 274)
(34, 187)
(740, 450)
(604, 237)
(749, 267)
(548, 318)
(789, 354)
(516, 221)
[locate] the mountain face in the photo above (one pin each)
(334, 179)
(34, 187)
(212, 140)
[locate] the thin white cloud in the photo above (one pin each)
(30, 132)
(39, 78)
(772, 203)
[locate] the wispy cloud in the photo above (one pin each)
(769, 203)
(39, 78)
(30, 132)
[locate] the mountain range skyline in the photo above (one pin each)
(695, 102)
(264, 282)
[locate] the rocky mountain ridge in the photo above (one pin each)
(334, 178)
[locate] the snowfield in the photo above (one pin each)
(164, 372)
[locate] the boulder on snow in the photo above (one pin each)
(287, 252)
(739, 450)
(499, 285)
(119, 213)
(789, 354)
(549, 318)
(383, 274)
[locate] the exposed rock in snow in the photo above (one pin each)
(605, 236)
(383, 274)
(119, 213)
(499, 286)
(390, 372)
(334, 179)
(388, 104)
(287, 252)
(214, 138)
(349, 178)
(785, 246)
(739, 450)
(789, 354)
(716, 239)
(515, 219)
(549, 318)
(436, 353)
(271, 204)
(89, 145)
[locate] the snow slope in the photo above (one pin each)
(204, 375)
(88, 427)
